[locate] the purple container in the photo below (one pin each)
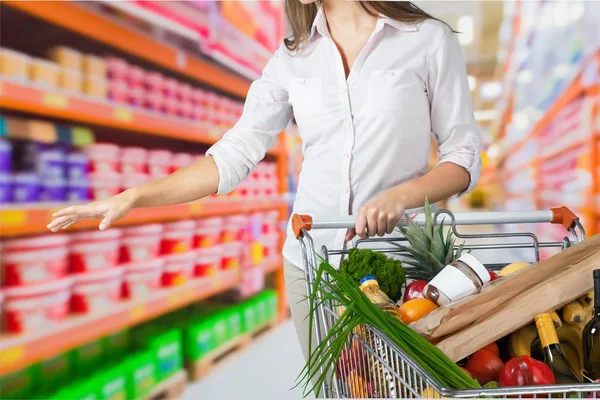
(5, 157)
(6, 189)
(26, 187)
(51, 163)
(78, 190)
(54, 190)
(77, 166)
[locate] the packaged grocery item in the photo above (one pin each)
(463, 277)
(172, 106)
(141, 243)
(94, 251)
(78, 190)
(105, 185)
(26, 187)
(132, 180)
(208, 261)
(235, 228)
(67, 57)
(97, 291)
(51, 163)
(18, 384)
(70, 80)
(168, 354)
(104, 157)
(6, 188)
(232, 253)
(249, 316)
(35, 260)
(142, 278)
(142, 374)
(153, 82)
(169, 87)
(93, 66)
(208, 232)
(35, 308)
(113, 383)
(77, 165)
(44, 72)
(5, 156)
(154, 101)
(198, 340)
(117, 91)
(87, 358)
(54, 189)
(270, 223)
(270, 246)
(178, 237)
(53, 373)
(135, 77)
(84, 389)
(220, 329)
(134, 160)
(159, 163)
(14, 64)
(178, 268)
(116, 344)
(116, 68)
(135, 96)
(96, 87)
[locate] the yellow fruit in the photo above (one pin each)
(574, 313)
(572, 334)
(514, 267)
(556, 319)
(415, 309)
(587, 299)
(520, 341)
(358, 386)
(431, 393)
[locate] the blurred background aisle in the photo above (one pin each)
(188, 300)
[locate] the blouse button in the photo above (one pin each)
(302, 81)
(391, 73)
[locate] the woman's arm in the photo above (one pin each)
(266, 113)
(458, 137)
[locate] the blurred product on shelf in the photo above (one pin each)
(97, 292)
(95, 250)
(44, 73)
(178, 237)
(142, 278)
(141, 243)
(14, 64)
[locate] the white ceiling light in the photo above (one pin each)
(465, 27)
(472, 82)
(490, 90)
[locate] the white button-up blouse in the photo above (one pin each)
(361, 135)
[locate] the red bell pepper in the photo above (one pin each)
(526, 371)
(414, 290)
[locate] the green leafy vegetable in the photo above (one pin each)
(390, 273)
(341, 290)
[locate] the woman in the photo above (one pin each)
(368, 83)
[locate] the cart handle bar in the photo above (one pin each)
(560, 215)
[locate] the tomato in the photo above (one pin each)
(466, 371)
(525, 371)
(414, 291)
(354, 360)
(493, 348)
(485, 366)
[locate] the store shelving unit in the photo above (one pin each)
(20, 351)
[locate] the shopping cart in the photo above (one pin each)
(397, 375)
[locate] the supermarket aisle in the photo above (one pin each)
(266, 369)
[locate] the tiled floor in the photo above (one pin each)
(267, 369)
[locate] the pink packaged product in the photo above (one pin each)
(105, 185)
(116, 68)
(95, 250)
(208, 232)
(172, 107)
(208, 261)
(270, 223)
(142, 278)
(270, 245)
(118, 91)
(97, 292)
(169, 87)
(181, 160)
(186, 109)
(35, 260)
(154, 101)
(159, 163)
(103, 157)
(140, 243)
(37, 308)
(178, 268)
(153, 82)
(178, 237)
(135, 77)
(231, 255)
(134, 160)
(253, 281)
(132, 180)
(136, 96)
(235, 228)
(184, 92)
(198, 97)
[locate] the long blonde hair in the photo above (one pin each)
(301, 16)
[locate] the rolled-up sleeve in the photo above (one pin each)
(452, 120)
(266, 113)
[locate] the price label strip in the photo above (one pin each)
(55, 100)
(123, 114)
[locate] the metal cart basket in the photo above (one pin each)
(397, 375)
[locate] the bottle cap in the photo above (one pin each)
(368, 278)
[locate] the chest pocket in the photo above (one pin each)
(306, 96)
(392, 91)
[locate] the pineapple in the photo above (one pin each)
(430, 250)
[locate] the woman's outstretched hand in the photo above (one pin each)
(379, 215)
(109, 210)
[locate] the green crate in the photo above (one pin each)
(250, 316)
(113, 383)
(272, 304)
(234, 321)
(220, 329)
(87, 358)
(88, 389)
(167, 352)
(199, 340)
(53, 373)
(141, 374)
(116, 345)
(262, 309)
(19, 384)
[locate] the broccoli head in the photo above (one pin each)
(390, 274)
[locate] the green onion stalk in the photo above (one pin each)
(341, 290)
